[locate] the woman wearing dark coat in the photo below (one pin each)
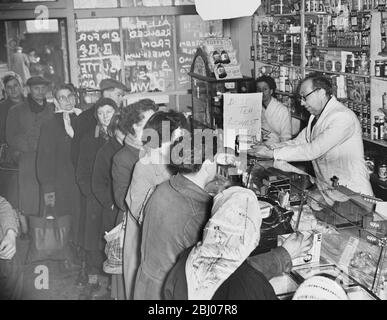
(55, 171)
(91, 220)
(102, 181)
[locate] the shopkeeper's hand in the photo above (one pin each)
(8, 245)
(261, 150)
(296, 245)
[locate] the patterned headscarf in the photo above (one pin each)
(8, 76)
(229, 237)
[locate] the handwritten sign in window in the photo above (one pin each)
(190, 32)
(148, 53)
(98, 51)
(241, 116)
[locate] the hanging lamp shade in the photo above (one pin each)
(226, 9)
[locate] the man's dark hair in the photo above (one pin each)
(189, 164)
(175, 119)
(134, 113)
(319, 81)
(63, 86)
(270, 82)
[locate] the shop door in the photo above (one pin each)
(31, 47)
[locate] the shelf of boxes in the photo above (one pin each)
(358, 49)
(338, 73)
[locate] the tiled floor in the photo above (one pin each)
(61, 284)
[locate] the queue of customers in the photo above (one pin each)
(181, 242)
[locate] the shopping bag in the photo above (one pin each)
(114, 249)
(49, 236)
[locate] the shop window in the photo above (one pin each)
(21, 1)
(146, 3)
(98, 48)
(148, 53)
(35, 47)
(156, 52)
(190, 30)
(184, 2)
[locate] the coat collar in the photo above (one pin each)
(330, 104)
(189, 189)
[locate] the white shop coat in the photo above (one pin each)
(335, 147)
(276, 119)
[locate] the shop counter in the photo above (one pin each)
(352, 248)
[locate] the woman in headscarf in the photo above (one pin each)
(91, 220)
(151, 170)
(102, 186)
(13, 95)
(55, 171)
(216, 267)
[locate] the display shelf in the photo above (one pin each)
(379, 78)
(357, 49)
(351, 100)
(277, 64)
(316, 13)
(283, 93)
(275, 33)
(295, 14)
(382, 143)
(338, 73)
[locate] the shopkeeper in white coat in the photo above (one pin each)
(276, 122)
(332, 140)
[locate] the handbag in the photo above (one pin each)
(114, 248)
(49, 236)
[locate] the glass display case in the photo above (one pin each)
(351, 236)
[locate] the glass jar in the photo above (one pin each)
(370, 164)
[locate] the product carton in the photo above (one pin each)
(313, 254)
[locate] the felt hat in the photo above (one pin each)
(111, 83)
(37, 80)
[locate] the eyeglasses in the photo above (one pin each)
(303, 98)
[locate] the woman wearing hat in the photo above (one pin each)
(13, 95)
(55, 171)
(91, 220)
(22, 131)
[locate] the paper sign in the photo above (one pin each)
(220, 9)
(242, 116)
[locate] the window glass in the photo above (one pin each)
(79, 4)
(145, 3)
(190, 30)
(148, 53)
(35, 47)
(98, 49)
(184, 2)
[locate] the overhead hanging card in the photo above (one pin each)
(242, 116)
(217, 9)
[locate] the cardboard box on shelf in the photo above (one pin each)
(313, 254)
